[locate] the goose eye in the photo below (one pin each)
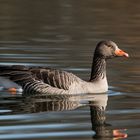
(110, 46)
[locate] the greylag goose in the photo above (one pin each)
(52, 81)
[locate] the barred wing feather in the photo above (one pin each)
(36, 78)
(55, 78)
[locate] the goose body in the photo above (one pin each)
(46, 80)
(52, 81)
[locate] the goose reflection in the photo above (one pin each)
(98, 120)
(96, 102)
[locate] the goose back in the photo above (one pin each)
(40, 80)
(55, 78)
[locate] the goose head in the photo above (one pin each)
(109, 49)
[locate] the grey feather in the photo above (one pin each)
(36, 80)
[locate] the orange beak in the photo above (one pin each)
(119, 52)
(118, 134)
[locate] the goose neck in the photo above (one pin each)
(98, 68)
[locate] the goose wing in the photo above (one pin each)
(22, 75)
(55, 78)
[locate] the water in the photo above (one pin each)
(63, 34)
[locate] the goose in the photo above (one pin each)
(44, 80)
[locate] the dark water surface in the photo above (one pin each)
(63, 34)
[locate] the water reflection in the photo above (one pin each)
(103, 130)
(36, 104)
(44, 103)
